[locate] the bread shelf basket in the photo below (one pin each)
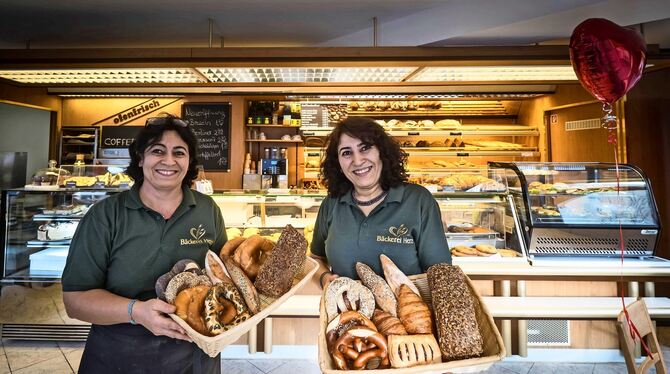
(212, 345)
(494, 349)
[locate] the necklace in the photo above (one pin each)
(369, 202)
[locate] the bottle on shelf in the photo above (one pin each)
(247, 164)
(79, 166)
(287, 115)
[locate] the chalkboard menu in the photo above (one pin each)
(211, 125)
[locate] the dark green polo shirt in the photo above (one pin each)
(122, 246)
(406, 226)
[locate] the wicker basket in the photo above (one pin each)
(494, 350)
(212, 345)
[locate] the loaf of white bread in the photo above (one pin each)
(454, 306)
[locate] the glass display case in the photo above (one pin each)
(478, 215)
(249, 213)
(39, 227)
(40, 224)
(576, 209)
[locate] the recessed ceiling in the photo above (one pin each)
(252, 23)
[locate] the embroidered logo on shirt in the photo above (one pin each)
(398, 235)
(196, 233)
(398, 231)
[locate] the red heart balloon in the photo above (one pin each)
(607, 58)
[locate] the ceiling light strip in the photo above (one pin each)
(306, 74)
(494, 73)
(100, 76)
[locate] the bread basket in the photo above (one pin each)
(212, 345)
(494, 350)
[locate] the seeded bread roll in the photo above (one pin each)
(454, 307)
(275, 276)
(380, 289)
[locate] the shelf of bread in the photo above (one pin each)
(273, 141)
(461, 152)
(427, 127)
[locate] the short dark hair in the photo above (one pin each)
(152, 133)
(370, 132)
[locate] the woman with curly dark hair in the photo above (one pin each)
(371, 209)
(126, 241)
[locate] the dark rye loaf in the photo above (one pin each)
(275, 276)
(454, 306)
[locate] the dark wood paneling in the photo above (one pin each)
(647, 110)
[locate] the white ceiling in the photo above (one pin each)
(254, 23)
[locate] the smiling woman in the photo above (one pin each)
(126, 241)
(371, 209)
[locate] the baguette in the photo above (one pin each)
(395, 277)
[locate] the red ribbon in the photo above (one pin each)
(611, 138)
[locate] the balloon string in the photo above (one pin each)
(631, 326)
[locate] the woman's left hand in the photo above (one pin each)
(152, 315)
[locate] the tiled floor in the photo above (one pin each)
(23, 357)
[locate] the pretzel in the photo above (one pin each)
(344, 322)
(189, 305)
(250, 255)
(214, 307)
(231, 245)
(359, 345)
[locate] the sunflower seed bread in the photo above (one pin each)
(275, 276)
(454, 307)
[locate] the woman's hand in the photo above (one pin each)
(327, 278)
(152, 315)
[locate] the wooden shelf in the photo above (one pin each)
(456, 113)
(272, 141)
(467, 130)
(466, 153)
(274, 126)
(460, 152)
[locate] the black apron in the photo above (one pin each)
(126, 348)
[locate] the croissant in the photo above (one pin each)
(387, 324)
(413, 312)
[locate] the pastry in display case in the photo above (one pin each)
(110, 176)
(480, 227)
(575, 209)
(461, 180)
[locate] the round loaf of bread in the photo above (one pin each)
(178, 267)
(182, 281)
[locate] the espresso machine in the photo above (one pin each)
(275, 166)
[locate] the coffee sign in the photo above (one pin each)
(118, 136)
